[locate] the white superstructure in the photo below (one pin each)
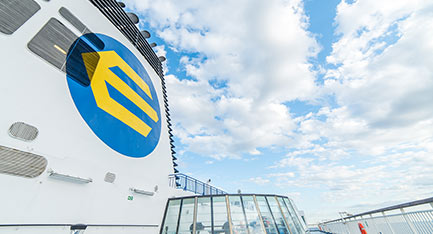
(82, 180)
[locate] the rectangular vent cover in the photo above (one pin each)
(52, 43)
(14, 13)
(20, 163)
(23, 131)
(110, 177)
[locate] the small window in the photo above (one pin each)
(14, 13)
(52, 43)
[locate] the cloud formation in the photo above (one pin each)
(245, 61)
(253, 57)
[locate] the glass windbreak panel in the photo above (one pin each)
(253, 218)
(220, 219)
(14, 13)
(293, 214)
(278, 216)
(170, 220)
(301, 220)
(187, 216)
(287, 215)
(267, 218)
(52, 43)
(237, 215)
(204, 216)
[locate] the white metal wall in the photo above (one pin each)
(35, 92)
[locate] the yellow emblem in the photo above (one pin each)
(101, 74)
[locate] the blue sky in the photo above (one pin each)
(328, 102)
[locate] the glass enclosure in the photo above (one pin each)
(232, 214)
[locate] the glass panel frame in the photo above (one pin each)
(265, 212)
(221, 221)
(278, 215)
(186, 216)
(237, 215)
(293, 214)
(172, 211)
(287, 216)
(231, 214)
(254, 221)
(203, 215)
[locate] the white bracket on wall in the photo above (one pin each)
(69, 178)
(142, 192)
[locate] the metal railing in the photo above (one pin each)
(188, 183)
(119, 18)
(377, 221)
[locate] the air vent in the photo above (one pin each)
(23, 131)
(14, 13)
(110, 177)
(20, 163)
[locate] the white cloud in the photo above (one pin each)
(377, 135)
(383, 125)
(259, 180)
(285, 175)
(249, 48)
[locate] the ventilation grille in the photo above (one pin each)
(52, 43)
(23, 131)
(20, 163)
(14, 13)
(110, 177)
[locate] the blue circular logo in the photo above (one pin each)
(114, 94)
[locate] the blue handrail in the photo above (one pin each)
(188, 183)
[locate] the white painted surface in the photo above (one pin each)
(35, 92)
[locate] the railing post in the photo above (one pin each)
(374, 222)
(194, 227)
(346, 226)
(411, 226)
(344, 222)
(387, 222)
